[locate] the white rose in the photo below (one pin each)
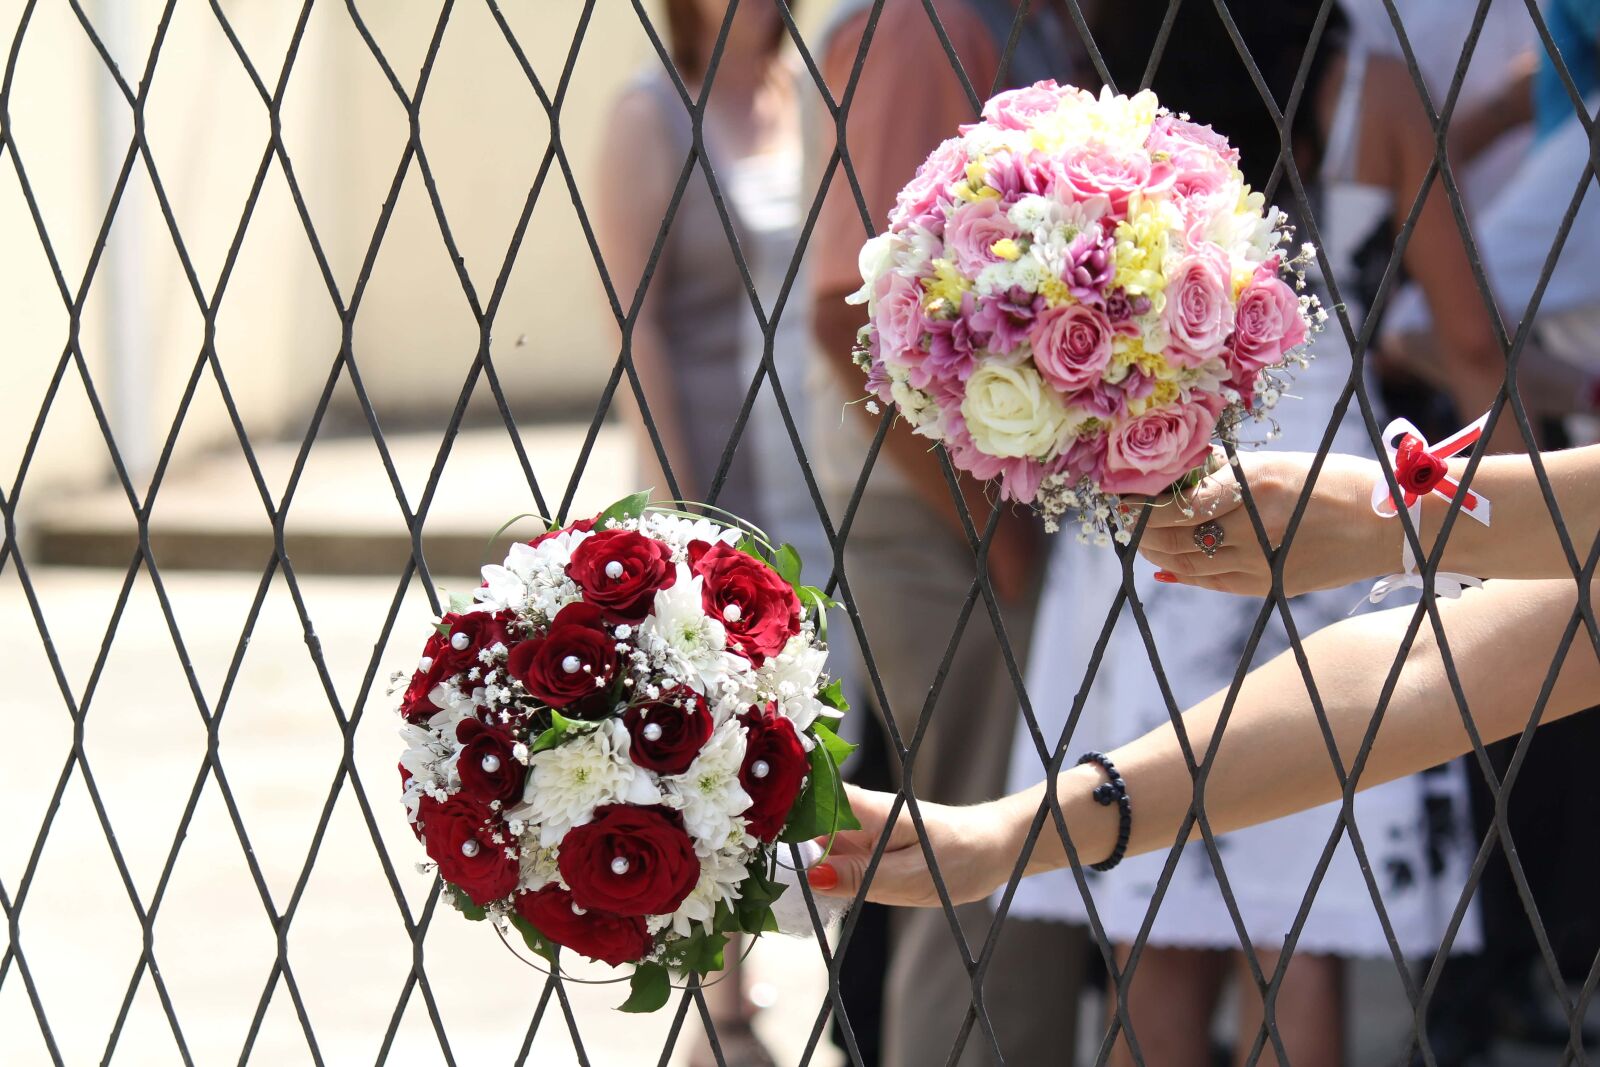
(1010, 412)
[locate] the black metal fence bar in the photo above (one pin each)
(980, 598)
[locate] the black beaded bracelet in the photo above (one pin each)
(1106, 794)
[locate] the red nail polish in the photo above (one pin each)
(1166, 577)
(822, 876)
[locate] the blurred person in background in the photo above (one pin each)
(1519, 150)
(1358, 159)
(697, 340)
(908, 564)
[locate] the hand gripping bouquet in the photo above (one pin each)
(607, 743)
(1077, 295)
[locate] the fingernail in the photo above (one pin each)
(1166, 577)
(822, 876)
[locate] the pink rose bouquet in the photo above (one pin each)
(1078, 295)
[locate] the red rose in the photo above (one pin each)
(486, 766)
(599, 935)
(630, 860)
(433, 669)
(619, 572)
(758, 608)
(1417, 470)
(582, 525)
(775, 767)
(471, 632)
(667, 735)
(572, 665)
(459, 836)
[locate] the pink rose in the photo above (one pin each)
(898, 317)
(1149, 453)
(1267, 324)
(1018, 108)
(972, 231)
(1173, 135)
(1199, 311)
(1071, 346)
(1097, 169)
(944, 166)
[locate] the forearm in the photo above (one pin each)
(1522, 541)
(1273, 759)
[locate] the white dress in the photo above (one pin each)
(1416, 831)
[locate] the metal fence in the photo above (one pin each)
(555, 179)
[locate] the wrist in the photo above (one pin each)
(1093, 828)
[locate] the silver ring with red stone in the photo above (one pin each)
(1208, 537)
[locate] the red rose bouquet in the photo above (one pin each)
(607, 744)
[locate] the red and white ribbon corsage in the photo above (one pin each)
(1422, 469)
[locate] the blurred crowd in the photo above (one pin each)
(745, 360)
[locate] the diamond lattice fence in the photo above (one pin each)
(282, 923)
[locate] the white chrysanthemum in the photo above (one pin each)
(566, 783)
(502, 589)
(708, 795)
(693, 644)
(720, 875)
(790, 680)
(676, 531)
(429, 758)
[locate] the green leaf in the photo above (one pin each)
(442, 629)
(559, 727)
(459, 603)
(837, 746)
(703, 953)
(756, 896)
(651, 986)
(786, 561)
(833, 695)
(629, 507)
(822, 808)
(537, 943)
(464, 904)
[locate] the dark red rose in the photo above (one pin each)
(599, 935)
(619, 572)
(1417, 470)
(432, 669)
(775, 767)
(758, 608)
(630, 860)
(459, 836)
(582, 525)
(473, 631)
(572, 665)
(668, 734)
(486, 766)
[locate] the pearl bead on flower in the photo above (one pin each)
(571, 664)
(425, 663)
(459, 642)
(614, 570)
(732, 613)
(760, 769)
(577, 910)
(469, 848)
(491, 763)
(652, 731)
(619, 865)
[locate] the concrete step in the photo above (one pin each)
(343, 517)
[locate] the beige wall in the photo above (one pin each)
(277, 332)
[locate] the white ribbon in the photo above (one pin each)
(1445, 583)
